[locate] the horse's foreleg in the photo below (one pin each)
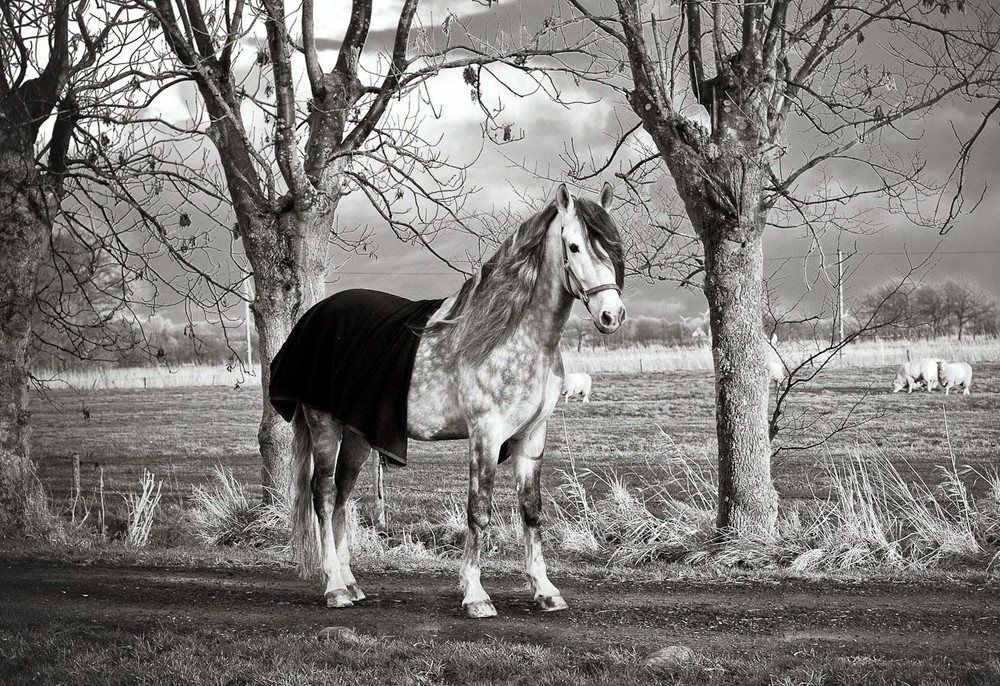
(483, 455)
(528, 465)
(354, 452)
(327, 436)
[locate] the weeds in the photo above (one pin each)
(141, 509)
(225, 513)
(865, 513)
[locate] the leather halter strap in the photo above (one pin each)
(576, 288)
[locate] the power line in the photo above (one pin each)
(346, 273)
(766, 259)
(899, 252)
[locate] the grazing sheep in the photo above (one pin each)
(914, 372)
(577, 383)
(955, 374)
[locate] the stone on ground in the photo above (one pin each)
(339, 634)
(668, 659)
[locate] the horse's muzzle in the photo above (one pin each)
(610, 319)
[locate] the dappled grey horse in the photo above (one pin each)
(487, 367)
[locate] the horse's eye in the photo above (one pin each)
(573, 247)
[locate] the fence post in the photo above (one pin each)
(378, 491)
(76, 484)
(100, 513)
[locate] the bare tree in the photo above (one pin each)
(930, 308)
(322, 142)
(760, 113)
(80, 294)
(966, 303)
(50, 53)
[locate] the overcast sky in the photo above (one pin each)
(970, 250)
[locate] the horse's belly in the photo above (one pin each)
(432, 412)
(428, 423)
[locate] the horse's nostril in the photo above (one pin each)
(621, 316)
(606, 318)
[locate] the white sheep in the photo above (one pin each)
(955, 374)
(577, 383)
(775, 365)
(913, 372)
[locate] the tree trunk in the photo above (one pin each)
(288, 254)
(25, 223)
(748, 503)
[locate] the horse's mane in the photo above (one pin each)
(603, 232)
(492, 302)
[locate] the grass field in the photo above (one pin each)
(637, 427)
(180, 611)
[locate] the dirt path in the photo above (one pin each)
(953, 619)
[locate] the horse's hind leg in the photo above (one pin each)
(327, 436)
(354, 452)
(527, 456)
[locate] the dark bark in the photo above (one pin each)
(748, 503)
(285, 238)
(26, 210)
(719, 176)
(288, 254)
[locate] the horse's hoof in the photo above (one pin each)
(338, 598)
(480, 609)
(356, 592)
(551, 603)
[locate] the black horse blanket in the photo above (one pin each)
(352, 354)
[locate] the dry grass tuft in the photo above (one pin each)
(872, 516)
(225, 513)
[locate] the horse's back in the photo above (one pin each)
(352, 354)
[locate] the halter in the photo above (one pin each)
(576, 288)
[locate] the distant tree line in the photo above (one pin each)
(580, 333)
(104, 332)
(948, 308)
(157, 340)
(953, 307)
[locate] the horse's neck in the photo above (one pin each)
(550, 304)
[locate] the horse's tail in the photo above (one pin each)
(305, 526)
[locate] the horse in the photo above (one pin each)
(577, 384)
(487, 368)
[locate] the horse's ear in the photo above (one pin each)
(607, 196)
(564, 201)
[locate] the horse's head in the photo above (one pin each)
(593, 259)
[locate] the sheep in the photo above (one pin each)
(577, 383)
(913, 372)
(955, 374)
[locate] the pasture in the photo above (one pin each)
(166, 614)
(636, 426)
